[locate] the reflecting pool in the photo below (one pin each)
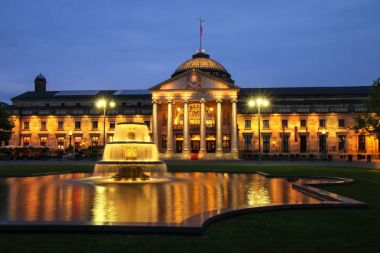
(66, 198)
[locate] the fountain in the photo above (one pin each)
(130, 157)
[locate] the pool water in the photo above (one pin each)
(67, 198)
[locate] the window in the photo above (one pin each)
(341, 143)
(147, 123)
(266, 124)
(60, 125)
(78, 104)
(284, 123)
(112, 124)
(43, 125)
(226, 141)
(47, 104)
(61, 142)
(62, 104)
(247, 123)
(303, 123)
(361, 143)
(25, 141)
(26, 125)
(163, 141)
(285, 143)
(43, 141)
(94, 141)
(94, 125)
(77, 125)
(248, 142)
(342, 123)
(266, 143)
(322, 123)
(110, 138)
(322, 143)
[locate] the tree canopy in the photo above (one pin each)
(370, 121)
(6, 125)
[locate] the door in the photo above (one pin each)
(178, 146)
(210, 146)
(195, 145)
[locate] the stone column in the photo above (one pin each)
(202, 148)
(234, 149)
(169, 137)
(219, 147)
(186, 137)
(154, 123)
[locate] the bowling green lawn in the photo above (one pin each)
(310, 230)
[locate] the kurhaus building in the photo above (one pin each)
(199, 112)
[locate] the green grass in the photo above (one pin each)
(313, 230)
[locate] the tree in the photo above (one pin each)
(6, 125)
(370, 122)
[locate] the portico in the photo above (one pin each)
(195, 116)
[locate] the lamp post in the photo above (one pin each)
(71, 136)
(104, 104)
(259, 102)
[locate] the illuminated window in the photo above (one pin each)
(26, 125)
(77, 125)
(112, 124)
(163, 141)
(226, 141)
(60, 125)
(43, 125)
(94, 141)
(110, 138)
(43, 140)
(61, 142)
(247, 123)
(25, 141)
(94, 125)
(341, 143)
(361, 144)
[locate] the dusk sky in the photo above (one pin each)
(137, 44)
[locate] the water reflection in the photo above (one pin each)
(58, 198)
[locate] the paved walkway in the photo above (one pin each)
(361, 164)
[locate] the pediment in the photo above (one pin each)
(193, 80)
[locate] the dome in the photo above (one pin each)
(40, 78)
(202, 61)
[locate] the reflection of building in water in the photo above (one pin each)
(48, 199)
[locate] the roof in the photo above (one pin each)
(307, 91)
(82, 94)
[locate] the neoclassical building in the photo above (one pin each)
(199, 113)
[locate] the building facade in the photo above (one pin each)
(200, 113)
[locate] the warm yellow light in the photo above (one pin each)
(70, 133)
(112, 104)
(323, 131)
(265, 103)
(251, 103)
(259, 102)
(101, 103)
(178, 109)
(211, 109)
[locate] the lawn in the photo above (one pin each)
(313, 230)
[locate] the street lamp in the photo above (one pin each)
(70, 146)
(259, 102)
(104, 104)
